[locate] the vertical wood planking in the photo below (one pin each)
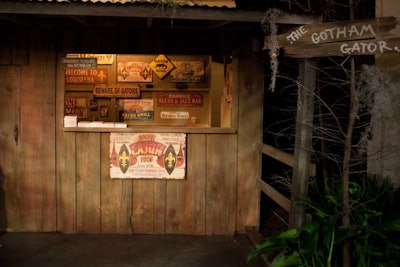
(37, 135)
(10, 170)
(88, 182)
(250, 90)
(115, 198)
(142, 218)
(159, 206)
(221, 182)
(65, 163)
(185, 212)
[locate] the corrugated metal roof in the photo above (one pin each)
(208, 3)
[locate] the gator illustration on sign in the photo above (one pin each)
(161, 66)
(147, 155)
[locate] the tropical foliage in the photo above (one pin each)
(374, 233)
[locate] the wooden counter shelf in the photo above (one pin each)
(154, 129)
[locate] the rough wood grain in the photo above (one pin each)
(221, 182)
(88, 183)
(185, 211)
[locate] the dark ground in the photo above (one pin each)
(55, 249)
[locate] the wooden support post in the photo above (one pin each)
(303, 142)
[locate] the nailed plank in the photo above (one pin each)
(389, 46)
(116, 196)
(337, 31)
(185, 211)
(37, 136)
(66, 165)
(142, 218)
(88, 182)
(10, 169)
(303, 142)
(282, 156)
(274, 194)
(250, 90)
(221, 182)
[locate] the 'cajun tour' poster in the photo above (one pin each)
(148, 155)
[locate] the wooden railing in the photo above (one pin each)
(285, 158)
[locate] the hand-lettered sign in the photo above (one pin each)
(359, 37)
(85, 76)
(117, 90)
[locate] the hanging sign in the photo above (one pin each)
(161, 66)
(85, 76)
(117, 90)
(359, 37)
(147, 155)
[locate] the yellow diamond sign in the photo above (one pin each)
(161, 66)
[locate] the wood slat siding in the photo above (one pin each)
(221, 173)
(116, 196)
(59, 181)
(37, 136)
(88, 205)
(66, 164)
(250, 112)
(185, 211)
(10, 205)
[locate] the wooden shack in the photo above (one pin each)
(57, 178)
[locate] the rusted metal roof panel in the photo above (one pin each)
(207, 3)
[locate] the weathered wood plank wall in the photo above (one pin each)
(59, 181)
(29, 162)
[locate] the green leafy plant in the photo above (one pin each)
(373, 234)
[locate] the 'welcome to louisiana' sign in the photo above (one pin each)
(148, 155)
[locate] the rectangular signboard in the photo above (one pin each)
(180, 100)
(338, 31)
(148, 155)
(80, 63)
(86, 76)
(117, 90)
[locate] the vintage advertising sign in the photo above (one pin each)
(76, 106)
(360, 37)
(180, 100)
(174, 115)
(102, 59)
(80, 63)
(136, 109)
(161, 66)
(148, 155)
(134, 72)
(85, 76)
(188, 71)
(117, 90)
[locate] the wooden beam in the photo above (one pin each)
(303, 141)
(274, 194)
(282, 156)
(147, 11)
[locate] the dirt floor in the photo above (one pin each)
(55, 249)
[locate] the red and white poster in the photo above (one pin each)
(148, 155)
